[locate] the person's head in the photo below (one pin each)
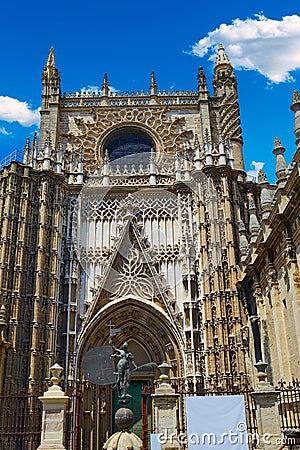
(125, 346)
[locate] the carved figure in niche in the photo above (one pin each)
(123, 369)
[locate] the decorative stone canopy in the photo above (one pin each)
(123, 440)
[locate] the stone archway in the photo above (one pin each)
(151, 337)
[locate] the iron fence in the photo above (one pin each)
(289, 405)
(21, 415)
(20, 420)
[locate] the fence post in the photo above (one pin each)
(268, 419)
(165, 402)
(53, 422)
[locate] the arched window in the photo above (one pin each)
(129, 145)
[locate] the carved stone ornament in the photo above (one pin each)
(296, 96)
(91, 133)
(277, 143)
(230, 123)
(257, 294)
(262, 177)
(132, 279)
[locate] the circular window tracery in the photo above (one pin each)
(129, 145)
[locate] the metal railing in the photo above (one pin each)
(289, 405)
(16, 155)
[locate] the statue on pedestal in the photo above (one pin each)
(123, 370)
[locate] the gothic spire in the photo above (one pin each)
(51, 58)
(26, 151)
(225, 89)
(105, 87)
(153, 85)
(50, 72)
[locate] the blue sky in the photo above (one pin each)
(130, 39)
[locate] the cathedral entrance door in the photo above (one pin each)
(135, 404)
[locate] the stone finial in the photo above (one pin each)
(34, 142)
(50, 72)
(295, 107)
(202, 85)
(105, 87)
(266, 200)
(295, 97)
(261, 371)
(244, 245)
(164, 379)
(47, 151)
(153, 85)
(51, 58)
(281, 165)
(152, 167)
(222, 151)
(277, 143)
(222, 57)
(56, 371)
(26, 151)
(164, 370)
(254, 225)
(266, 195)
(262, 176)
(106, 156)
(55, 390)
(198, 153)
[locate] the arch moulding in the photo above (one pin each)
(140, 322)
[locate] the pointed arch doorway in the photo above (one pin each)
(151, 335)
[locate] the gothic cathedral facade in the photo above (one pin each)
(134, 212)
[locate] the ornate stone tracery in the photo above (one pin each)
(166, 132)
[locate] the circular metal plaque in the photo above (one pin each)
(98, 366)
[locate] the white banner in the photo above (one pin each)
(216, 421)
(155, 443)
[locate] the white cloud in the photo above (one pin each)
(13, 110)
(97, 89)
(268, 46)
(253, 173)
(4, 131)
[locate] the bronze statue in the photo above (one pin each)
(123, 369)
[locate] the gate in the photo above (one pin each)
(86, 414)
(20, 420)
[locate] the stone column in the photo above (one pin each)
(268, 419)
(164, 408)
(53, 423)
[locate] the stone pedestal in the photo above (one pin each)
(268, 419)
(53, 421)
(164, 408)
